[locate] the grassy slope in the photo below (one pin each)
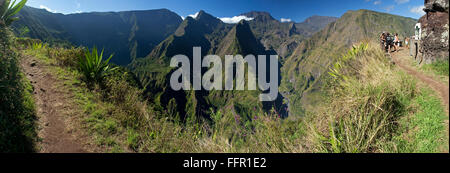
(374, 107)
(430, 103)
(440, 70)
(425, 131)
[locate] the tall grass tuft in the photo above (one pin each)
(93, 66)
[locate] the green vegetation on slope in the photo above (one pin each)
(424, 132)
(370, 107)
(17, 110)
(105, 109)
(439, 68)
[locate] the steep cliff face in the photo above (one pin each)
(435, 28)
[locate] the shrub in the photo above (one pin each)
(24, 42)
(66, 57)
(131, 108)
(93, 66)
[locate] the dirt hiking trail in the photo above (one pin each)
(52, 107)
(401, 59)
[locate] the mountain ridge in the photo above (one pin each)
(128, 34)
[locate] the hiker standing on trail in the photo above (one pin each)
(396, 42)
(407, 42)
(389, 42)
(383, 40)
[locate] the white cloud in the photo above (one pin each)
(46, 8)
(235, 19)
(194, 15)
(401, 1)
(285, 20)
(191, 15)
(418, 10)
(377, 2)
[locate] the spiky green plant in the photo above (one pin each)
(335, 70)
(8, 10)
(38, 46)
(93, 66)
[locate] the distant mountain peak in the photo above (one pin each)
(242, 22)
(240, 40)
(202, 12)
(204, 17)
(243, 30)
(185, 25)
(292, 29)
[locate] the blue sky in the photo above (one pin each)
(295, 10)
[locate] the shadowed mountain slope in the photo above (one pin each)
(127, 34)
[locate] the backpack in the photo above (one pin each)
(389, 39)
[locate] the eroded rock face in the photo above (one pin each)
(435, 30)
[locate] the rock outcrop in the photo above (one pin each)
(435, 28)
